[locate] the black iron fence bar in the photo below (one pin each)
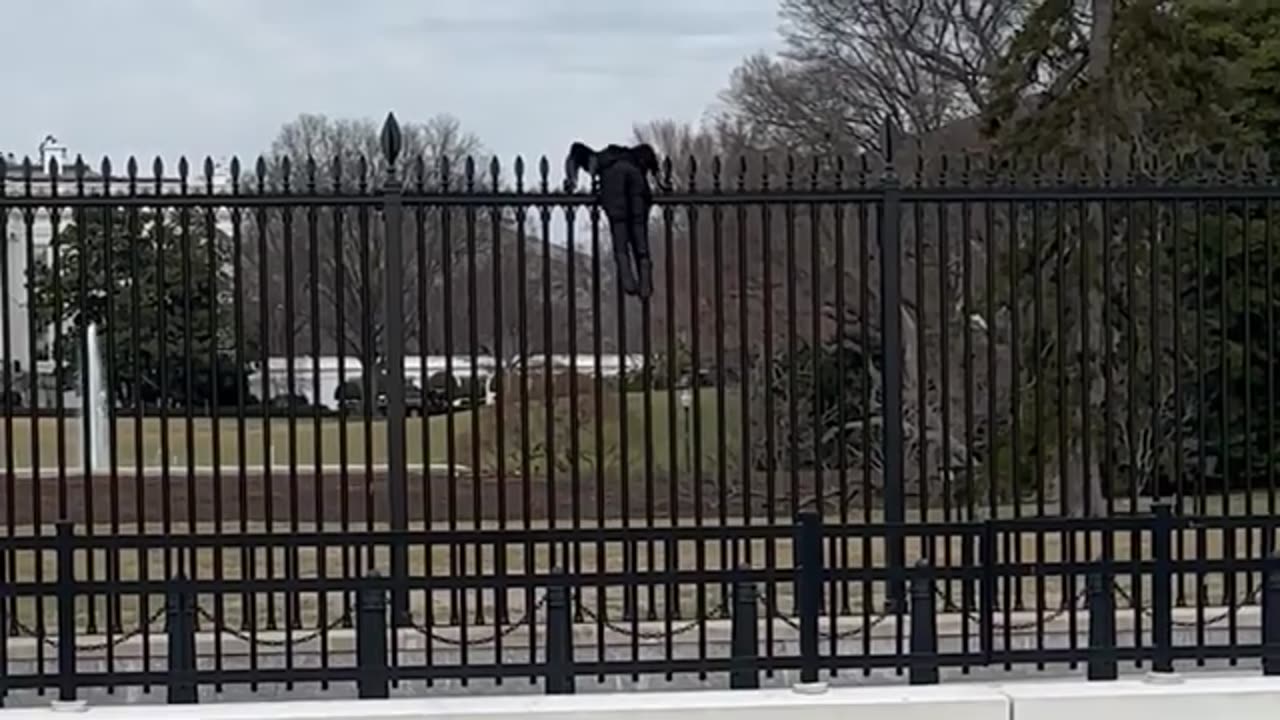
(1030, 569)
(397, 486)
(180, 610)
(68, 543)
(242, 201)
(1270, 616)
(371, 641)
(434, 538)
(958, 175)
(808, 590)
(1118, 522)
(640, 534)
(66, 603)
(923, 662)
(1087, 193)
(619, 579)
(1162, 589)
(486, 198)
(1023, 184)
(692, 577)
(892, 435)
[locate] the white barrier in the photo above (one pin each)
(1184, 698)
(1237, 698)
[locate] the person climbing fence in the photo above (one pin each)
(626, 197)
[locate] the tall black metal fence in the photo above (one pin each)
(247, 388)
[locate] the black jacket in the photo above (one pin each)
(624, 172)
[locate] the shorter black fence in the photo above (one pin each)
(538, 622)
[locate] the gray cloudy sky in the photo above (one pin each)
(220, 76)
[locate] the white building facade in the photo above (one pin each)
(28, 239)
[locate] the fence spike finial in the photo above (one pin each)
(420, 172)
(889, 131)
(391, 140)
(446, 172)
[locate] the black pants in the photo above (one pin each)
(625, 199)
(630, 238)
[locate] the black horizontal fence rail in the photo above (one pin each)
(374, 419)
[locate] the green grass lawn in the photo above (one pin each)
(492, 430)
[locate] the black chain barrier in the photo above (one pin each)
(113, 641)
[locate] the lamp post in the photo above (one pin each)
(686, 403)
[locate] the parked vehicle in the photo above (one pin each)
(417, 403)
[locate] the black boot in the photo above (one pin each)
(645, 288)
(626, 275)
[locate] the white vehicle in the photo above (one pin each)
(331, 371)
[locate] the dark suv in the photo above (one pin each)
(416, 402)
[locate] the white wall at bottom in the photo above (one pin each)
(1179, 698)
